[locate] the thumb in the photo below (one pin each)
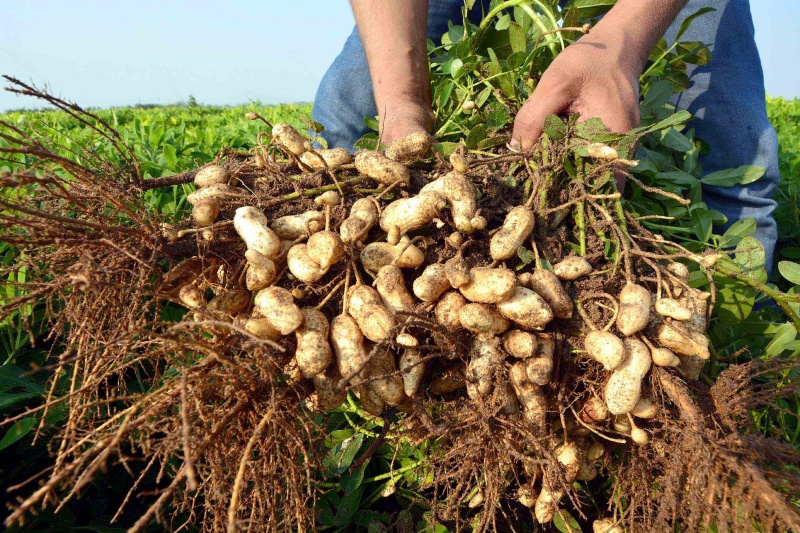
(529, 120)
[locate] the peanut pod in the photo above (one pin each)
(211, 175)
(572, 268)
(332, 158)
(380, 168)
(291, 227)
(519, 223)
(489, 285)
(409, 214)
(624, 387)
(313, 352)
(410, 148)
(526, 308)
(252, 226)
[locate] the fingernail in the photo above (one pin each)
(514, 145)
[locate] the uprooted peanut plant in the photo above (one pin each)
(510, 312)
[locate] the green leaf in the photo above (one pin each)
(455, 34)
(367, 142)
(677, 177)
(476, 135)
(688, 21)
(733, 176)
(516, 60)
(374, 522)
(525, 255)
(10, 379)
(348, 506)
(455, 67)
(752, 259)
(626, 147)
(678, 119)
(794, 291)
(590, 129)
(445, 148)
(312, 125)
(337, 436)
(341, 456)
(171, 156)
(786, 333)
(590, 8)
(17, 431)
(569, 526)
(483, 96)
(658, 95)
(372, 123)
(672, 138)
(694, 53)
(446, 91)
(734, 300)
(793, 346)
(791, 252)
(503, 22)
(790, 271)
(517, 37)
(350, 481)
(7, 400)
(497, 115)
(554, 128)
(493, 141)
(738, 231)
(324, 509)
(701, 223)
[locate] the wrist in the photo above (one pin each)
(419, 110)
(411, 88)
(634, 27)
(628, 52)
(402, 100)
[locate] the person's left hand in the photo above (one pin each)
(595, 77)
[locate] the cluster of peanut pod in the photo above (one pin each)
(504, 307)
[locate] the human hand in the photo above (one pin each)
(596, 77)
(401, 118)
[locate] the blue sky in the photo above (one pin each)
(113, 53)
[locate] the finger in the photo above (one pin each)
(618, 121)
(529, 120)
(619, 112)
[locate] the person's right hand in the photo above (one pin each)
(595, 76)
(404, 117)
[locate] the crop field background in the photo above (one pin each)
(174, 139)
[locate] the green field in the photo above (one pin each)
(169, 140)
(785, 116)
(173, 139)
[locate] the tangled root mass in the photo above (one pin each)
(515, 435)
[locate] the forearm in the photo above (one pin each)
(635, 27)
(394, 37)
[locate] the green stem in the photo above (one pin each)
(394, 473)
(581, 223)
(551, 43)
(544, 189)
(580, 212)
(378, 421)
(525, 5)
(600, 234)
(657, 61)
(317, 190)
(620, 212)
(452, 116)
